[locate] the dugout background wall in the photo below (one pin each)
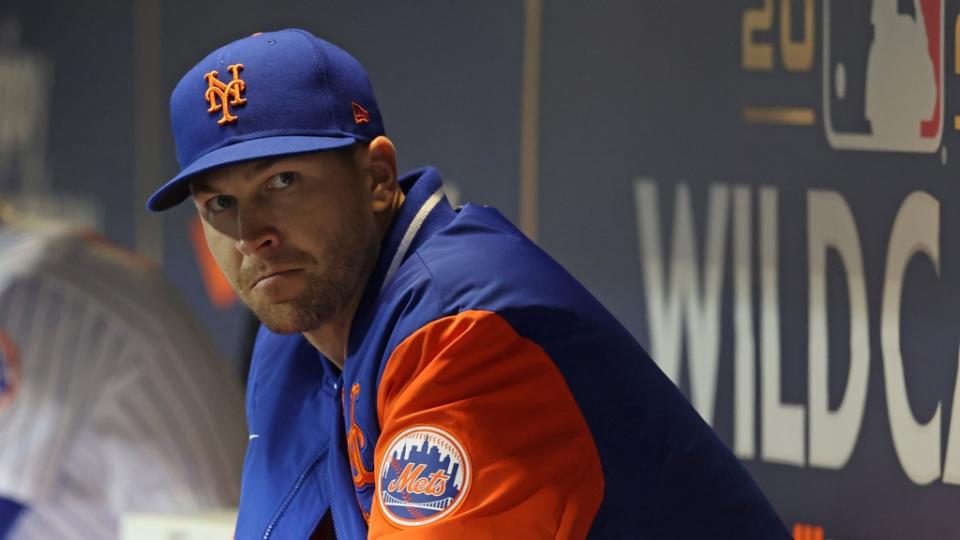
(763, 191)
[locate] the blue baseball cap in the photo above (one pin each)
(270, 94)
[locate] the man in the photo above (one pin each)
(451, 381)
(111, 400)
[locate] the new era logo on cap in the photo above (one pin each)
(288, 92)
(360, 115)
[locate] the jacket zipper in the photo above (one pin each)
(333, 516)
(290, 496)
(337, 386)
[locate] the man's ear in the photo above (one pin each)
(383, 171)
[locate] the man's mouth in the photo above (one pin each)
(273, 276)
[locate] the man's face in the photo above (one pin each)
(296, 236)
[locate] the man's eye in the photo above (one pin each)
(220, 203)
(280, 181)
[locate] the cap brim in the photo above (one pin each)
(177, 189)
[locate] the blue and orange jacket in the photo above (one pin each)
(485, 394)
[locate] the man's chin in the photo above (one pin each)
(287, 318)
(285, 329)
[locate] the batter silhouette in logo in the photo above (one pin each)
(901, 89)
(883, 74)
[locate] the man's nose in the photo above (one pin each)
(255, 233)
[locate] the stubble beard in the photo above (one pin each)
(332, 286)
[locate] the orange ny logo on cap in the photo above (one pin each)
(222, 96)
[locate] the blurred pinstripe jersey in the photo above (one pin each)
(122, 404)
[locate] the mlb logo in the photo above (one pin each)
(883, 74)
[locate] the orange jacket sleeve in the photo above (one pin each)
(495, 408)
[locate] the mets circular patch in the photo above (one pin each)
(9, 370)
(424, 476)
